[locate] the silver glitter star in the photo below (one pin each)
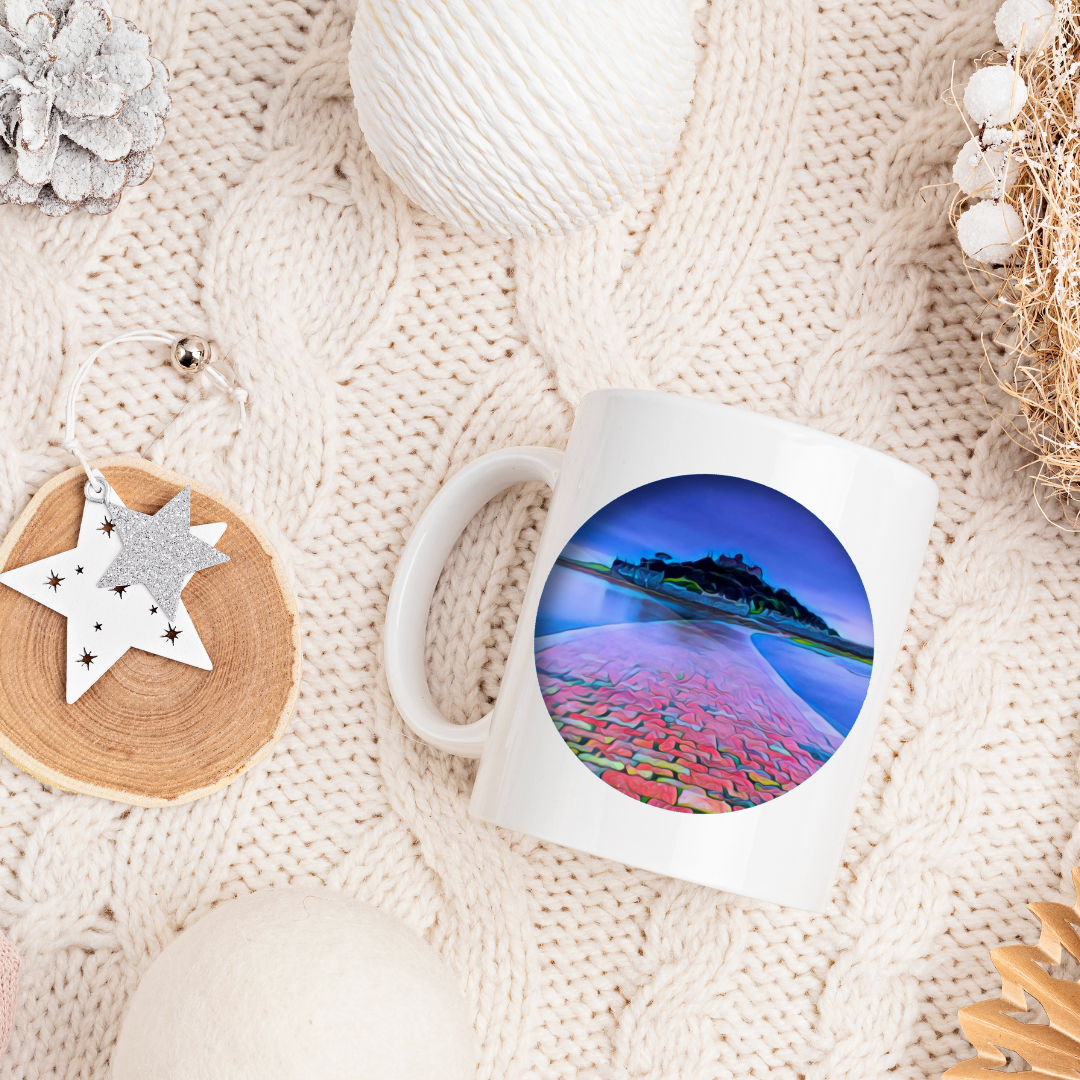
(159, 551)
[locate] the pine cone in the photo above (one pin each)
(82, 105)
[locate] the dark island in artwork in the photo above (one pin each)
(704, 644)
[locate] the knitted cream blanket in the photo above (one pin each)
(795, 261)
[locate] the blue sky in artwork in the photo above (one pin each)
(690, 516)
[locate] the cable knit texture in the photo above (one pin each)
(9, 988)
(795, 260)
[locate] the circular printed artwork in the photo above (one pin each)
(704, 644)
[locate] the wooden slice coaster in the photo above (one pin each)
(150, 731)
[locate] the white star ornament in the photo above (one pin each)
(103, 623)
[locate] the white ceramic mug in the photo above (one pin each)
(704, 647)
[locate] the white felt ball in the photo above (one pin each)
(978, 170)
(988, 231)
(296, 983)
(1033, 18)
(995, 95)
(518, 118)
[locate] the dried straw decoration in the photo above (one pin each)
(1040, 284)
(1051, 1049)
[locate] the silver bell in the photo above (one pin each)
(190, 355)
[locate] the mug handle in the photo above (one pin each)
(438, 529)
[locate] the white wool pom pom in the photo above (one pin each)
(988, 231)
(995, 95)
(296, 982)
(1034, 18)
(980, 172)
(522, 119)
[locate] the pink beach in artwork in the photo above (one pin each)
(705, 726)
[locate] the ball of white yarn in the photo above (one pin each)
(291, 983)
(995, 95)
(988, 231)
(1034, 18)
(984, 172)
(522, 120)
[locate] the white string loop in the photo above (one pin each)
(71, 443)
(236, 393)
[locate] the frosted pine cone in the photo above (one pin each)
(82, 105)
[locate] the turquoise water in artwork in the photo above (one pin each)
(573, 600)
(833, 686)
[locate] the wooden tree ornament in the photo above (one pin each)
(1052, 1050)
(150, 731)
